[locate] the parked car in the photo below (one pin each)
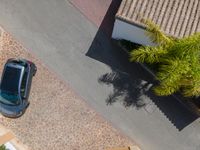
(15, 87)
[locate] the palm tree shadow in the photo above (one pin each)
(131, 83)
(126, 90)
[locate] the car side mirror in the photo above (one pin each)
(23, 97)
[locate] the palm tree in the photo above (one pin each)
(178, 61)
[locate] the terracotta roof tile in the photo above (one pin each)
(177, 18)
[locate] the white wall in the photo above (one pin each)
(123, 30)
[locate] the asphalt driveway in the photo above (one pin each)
(85, 58)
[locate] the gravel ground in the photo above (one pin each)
(57, 119)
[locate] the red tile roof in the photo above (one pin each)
(178, 18)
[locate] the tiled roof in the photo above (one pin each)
(178, 18)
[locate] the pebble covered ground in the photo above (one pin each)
(57, 119)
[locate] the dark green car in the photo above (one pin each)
(15, 87)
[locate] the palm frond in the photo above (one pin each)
(191, 85)
(186, 47)
(170, 76)
(192, 90)
(165, 90)
(155, 34)
(147, 54)
(172, 70)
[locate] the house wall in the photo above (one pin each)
(123, 30)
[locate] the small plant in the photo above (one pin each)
(3, 147)
(177, 61)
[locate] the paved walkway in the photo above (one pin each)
(57, 119)
(84, 57)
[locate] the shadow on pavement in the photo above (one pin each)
(126, 90)
(131, 83)
(179, 115)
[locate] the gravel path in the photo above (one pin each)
(57, 118)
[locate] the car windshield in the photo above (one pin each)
(9, 98)
(9, 86)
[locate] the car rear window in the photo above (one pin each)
(10, 80)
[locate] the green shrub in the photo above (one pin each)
(3, 147)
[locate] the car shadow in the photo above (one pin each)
(131, 82)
